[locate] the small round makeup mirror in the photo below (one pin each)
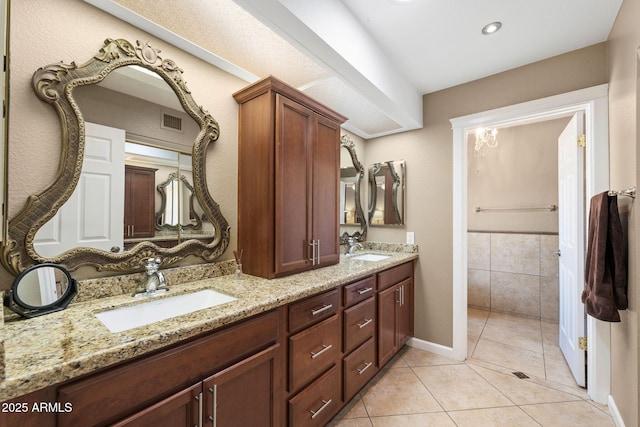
(41, 289)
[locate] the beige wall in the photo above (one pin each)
(429, 157)
(624, 161)
(521, 172)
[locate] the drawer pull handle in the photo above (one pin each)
(325, 403)
(364, 291)
(365, 323)
(321, 309)
(366, 366)
(324, 348)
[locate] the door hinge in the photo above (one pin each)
(582, 343)
(582, 141)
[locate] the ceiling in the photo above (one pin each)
(371, 60)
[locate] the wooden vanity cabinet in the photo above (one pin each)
(395, 310)
(288, 174)
(313, 354)
(139, 201)
(359, 362)
(167, 388)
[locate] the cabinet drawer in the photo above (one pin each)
(359, 367)
(359, 291)
(312, 310)
(312, 351)
(394, 275)
(359, 324)
(316, 404)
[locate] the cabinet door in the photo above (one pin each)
(245, 394)
(181, 409)
(387, 303)
(326, 170)
(294, 133)
(139, 202)
(405, 312)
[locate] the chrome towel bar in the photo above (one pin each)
(523, 208)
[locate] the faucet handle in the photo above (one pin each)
(158, 260)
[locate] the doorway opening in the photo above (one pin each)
(513, 255)
(593, 102)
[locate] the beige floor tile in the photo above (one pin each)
(493, 417)
(398, 392)
(518, 359)
(351, 422)
(522, 391)
(477, 314)
(569, 414)
(415, 357)
(472, 342)
(549, 332)
(556, 368)
(458, 387)
(525, 338)
(515, 323)
(354, 409)
(437, 419)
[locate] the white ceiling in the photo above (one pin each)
(371, 60)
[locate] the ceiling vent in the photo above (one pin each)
(171, 122)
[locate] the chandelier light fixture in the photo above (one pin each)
(486, 137)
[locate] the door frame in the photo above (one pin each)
(594, 102)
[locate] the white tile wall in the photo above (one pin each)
(514, 273)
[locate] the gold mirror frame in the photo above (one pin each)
(54, 84)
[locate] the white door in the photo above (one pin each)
(94, 214)
(571, 237)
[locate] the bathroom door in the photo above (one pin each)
(571, 251)
(94, 214)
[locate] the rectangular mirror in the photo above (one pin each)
(386, 193)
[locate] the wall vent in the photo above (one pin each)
(171, 122)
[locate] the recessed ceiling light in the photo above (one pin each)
(491, 28)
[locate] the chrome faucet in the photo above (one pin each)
(154, 280)
(352, 246)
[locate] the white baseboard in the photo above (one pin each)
(438, 349)
(615, 414)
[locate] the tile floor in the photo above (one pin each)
(419, 388)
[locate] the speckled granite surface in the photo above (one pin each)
(50, 349)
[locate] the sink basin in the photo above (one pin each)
(371, 257)
(124, 318)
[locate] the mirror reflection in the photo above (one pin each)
(386, 193)
(348, 176)
(351, 175)
(43, 286)
(41, 289)
(125, 92)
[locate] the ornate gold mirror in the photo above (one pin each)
(353, 223)
(58, 84)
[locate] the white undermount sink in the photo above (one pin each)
(371, 257)
(124, 318)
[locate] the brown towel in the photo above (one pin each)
(605, 290)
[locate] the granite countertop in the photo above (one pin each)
(60, 346)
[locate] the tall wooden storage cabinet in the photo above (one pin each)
(288, 173)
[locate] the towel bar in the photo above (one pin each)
(529, 208)
(629, 192)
